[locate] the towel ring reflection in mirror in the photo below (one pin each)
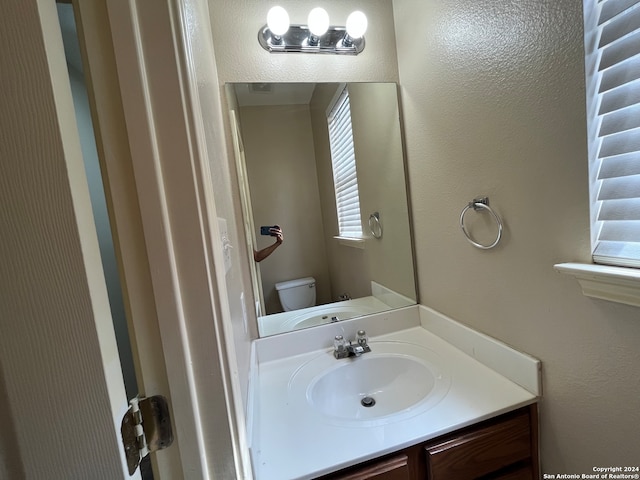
(374, 225)
(481, 204)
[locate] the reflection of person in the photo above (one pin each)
(260, 255)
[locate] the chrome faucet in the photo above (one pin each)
(342, 349)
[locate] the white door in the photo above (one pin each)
(61, 393)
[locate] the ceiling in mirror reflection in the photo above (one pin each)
(257, 94)
(286, 178)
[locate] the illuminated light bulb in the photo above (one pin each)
(318, 21)
(278, 21)
(356, 24)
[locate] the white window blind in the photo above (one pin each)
(612, 42)
(343, 161)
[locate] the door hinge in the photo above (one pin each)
(146, 428)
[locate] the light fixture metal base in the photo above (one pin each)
(296, 40)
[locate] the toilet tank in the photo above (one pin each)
(297, 294)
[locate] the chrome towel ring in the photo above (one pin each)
(374, 225)
(481, 204)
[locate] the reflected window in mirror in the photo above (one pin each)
(343, 162)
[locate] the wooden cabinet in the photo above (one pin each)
(390, 468)
(481, 451)
(502, 448)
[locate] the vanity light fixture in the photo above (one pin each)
(318, 36)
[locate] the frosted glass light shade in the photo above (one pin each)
(356, 24)
(278, 20)
(318, 21)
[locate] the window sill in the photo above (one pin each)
(616, 284)
(351, 242)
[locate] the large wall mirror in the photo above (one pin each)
(293, 146)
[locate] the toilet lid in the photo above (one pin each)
(295, 283)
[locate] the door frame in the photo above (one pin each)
(245, 201)
(121, 194)
(162, 209)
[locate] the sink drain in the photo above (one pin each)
(368, 402)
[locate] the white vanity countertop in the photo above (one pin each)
(289, 443)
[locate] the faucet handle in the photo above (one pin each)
(340, 347)
(361, 337)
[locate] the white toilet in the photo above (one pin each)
(297, 294)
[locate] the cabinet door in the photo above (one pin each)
(394, 468)
(481, 452)
(523, 473)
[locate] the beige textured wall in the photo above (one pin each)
(493, 102)
(381, 182)
(281, 168)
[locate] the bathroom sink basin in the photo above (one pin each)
(392, 382)
(325, 314)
